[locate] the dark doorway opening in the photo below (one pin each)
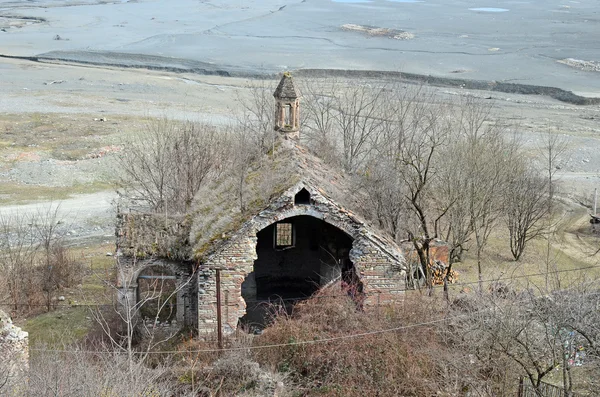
(156, 292)
(292, 266)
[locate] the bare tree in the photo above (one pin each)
(49, 236)
(551, 148)
(165, 165)
(404, 170)
(257, 116)
(319, 100)
(486, 154)
(18, 259)
(34, 259)
(196, 152)
(532, 332)
(525, 206)
(344, 118)
(358, 118)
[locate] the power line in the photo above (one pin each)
(300, 298)
(297, 343)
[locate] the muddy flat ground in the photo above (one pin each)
(92, 72)
(62, 125)
(540, 42)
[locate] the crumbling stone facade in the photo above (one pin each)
(14, 357)
(322, 239)
(380, 269)
(147, 241)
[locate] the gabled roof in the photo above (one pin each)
(286, 88)
(218, 215)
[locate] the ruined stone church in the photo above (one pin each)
(293, 227)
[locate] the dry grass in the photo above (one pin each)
(62, 138)
(403, 362)
(18, 193)
(72, 319)
(572, 247)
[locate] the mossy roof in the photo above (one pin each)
(217, 211)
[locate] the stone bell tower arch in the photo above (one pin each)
(287, 107)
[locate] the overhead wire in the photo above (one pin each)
(300, 298)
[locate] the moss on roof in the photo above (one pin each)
(217, 210)
(286, 88)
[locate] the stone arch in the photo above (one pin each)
(157, 292)
(181, 276)
(145, 265)
(372, 262)
(316, 254)
(351, 231)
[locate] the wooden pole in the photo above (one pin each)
(219, 321)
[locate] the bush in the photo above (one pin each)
(401, 362)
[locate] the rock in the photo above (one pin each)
(61, 298)
(109, 254)
(14, 345)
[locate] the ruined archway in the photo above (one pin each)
(295, 257)
(156, 294)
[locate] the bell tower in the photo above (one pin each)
(287, 108)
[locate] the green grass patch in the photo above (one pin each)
(63, 326)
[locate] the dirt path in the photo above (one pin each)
(83, 219)
(574, 240)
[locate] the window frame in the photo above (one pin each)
(292, 237)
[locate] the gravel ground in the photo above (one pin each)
(125, 97)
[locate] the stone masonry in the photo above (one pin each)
(14, 357)
(380, 269)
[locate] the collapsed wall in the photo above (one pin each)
(14, 357)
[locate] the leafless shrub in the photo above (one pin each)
(75, 372)
(529, 332)
(165, 165)
(34, 262)
(407, 362)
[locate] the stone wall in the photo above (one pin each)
(378, 264)
(128, 270)
(14, 358)
(147, 235)
(383, 282)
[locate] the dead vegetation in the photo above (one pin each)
(478, 344)
(34, 262)
(430, 172)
